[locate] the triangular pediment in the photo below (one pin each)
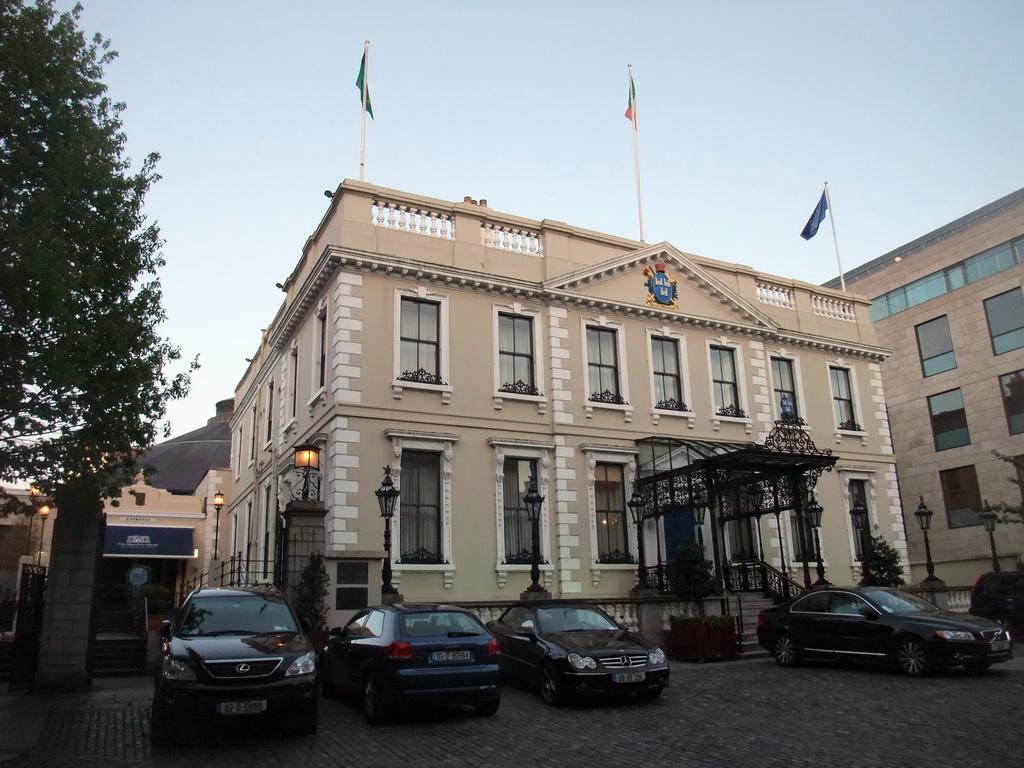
(667, 280)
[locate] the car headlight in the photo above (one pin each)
(581, 662)
(954, 634)
(657, 656)
(304, 665)
(177, 670)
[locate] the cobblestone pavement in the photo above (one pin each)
(716, 714)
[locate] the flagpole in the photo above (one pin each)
(835, 238)
(636, 158)
(362, 134)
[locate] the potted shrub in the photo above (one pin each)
(153, 600)
(309, 599)
(700, 637)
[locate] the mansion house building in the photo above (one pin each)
(476, 353)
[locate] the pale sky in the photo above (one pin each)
(911, 110)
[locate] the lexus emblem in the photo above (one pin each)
(242, 668)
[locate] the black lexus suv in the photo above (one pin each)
(232, 654)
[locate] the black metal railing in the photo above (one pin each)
(758, 576)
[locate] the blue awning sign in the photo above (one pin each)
(148, 541)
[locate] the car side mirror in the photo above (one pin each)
(869, 613)
(335, 632)
(527, 632)
(165, 629)
(306, 624)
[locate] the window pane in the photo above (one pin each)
(518, 529)
(784, 387)
(515, 354)
(421, 507)
(1005, 314)
(610, 503)
(842, 399)
(603, 365)
(1012, 388)
(935, 346)
(961, 496)
(949, 420)
(668, 390)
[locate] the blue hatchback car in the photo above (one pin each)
(392, 656)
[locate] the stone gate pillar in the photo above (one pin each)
(304, 534)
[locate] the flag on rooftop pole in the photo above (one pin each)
(364, 96)
(361, 82)
(811, 228)
(631, 116)
(631, 106)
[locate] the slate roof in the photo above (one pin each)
(180, 464)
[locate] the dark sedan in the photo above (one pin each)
(577, 649)
(880, 624)
(231, 654)
(391, 656)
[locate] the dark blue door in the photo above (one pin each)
(678, 528)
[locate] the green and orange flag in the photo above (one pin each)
(364, 88)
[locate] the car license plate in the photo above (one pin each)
(451, 656)
(629, 677)
(999, 645)
(242, 707)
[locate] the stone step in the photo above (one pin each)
(116, 657)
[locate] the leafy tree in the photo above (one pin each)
(886, 570)
(311, 591)
(83, 382)
(1011, 513)
(695, 574)
(82, 363)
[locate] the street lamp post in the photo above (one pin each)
(218, 504)
(44, 512)
(698, 522)
(534, 501)
(814, 512)
(387, 498)
(307, 463)
(924, 519)
(637, 509)
(859, 513)
(988, 519)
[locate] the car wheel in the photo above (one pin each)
(913, 657)
(374, 708)
(551, 689)
(786, 650)
(487, 708)
(161, 732)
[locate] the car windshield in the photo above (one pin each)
(439, 624)
(899, 602)
(247, 614)
(573, 619)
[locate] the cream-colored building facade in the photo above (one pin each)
(950, 306)
(469, 350)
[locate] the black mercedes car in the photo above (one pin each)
(883, 625)
(231, 654)
(577, 649)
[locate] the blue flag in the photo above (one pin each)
(811, 228)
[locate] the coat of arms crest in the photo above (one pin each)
(661, 287)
